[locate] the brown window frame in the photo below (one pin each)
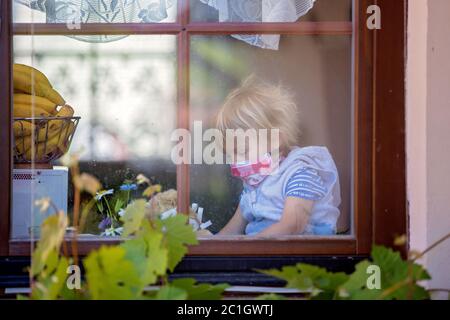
(379, 207)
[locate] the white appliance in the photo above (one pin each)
(30, 185)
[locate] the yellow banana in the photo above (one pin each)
(27, 84)
(57, 141)
(30, 71)
(41, 136)
(65, 111)
(42, 148)
(64, 143)
(27, 111)
(22, 128)
(39, 102)
(54, 96)
(22, 144)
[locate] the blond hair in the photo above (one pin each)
(260, 105)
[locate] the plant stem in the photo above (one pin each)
(434, 245)
(76, 213)
(85, 212)
(110, 211)
(394, 288)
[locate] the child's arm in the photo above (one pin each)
(294, 219)
(236, 226)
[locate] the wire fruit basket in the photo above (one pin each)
(42, 139)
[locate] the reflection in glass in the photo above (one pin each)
(317, 69)
(94, 11)
(270, 10)
(125, 94)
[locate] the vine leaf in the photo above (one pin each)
(355, 287)
(171, 293)
(398, 278)
(395, 270)
(133, 217)
(321, 283)
(178, 234)
(147, 254)
(50, 283)
(52, 234)
(110, 275)
(201, 291)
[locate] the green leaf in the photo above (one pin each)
(100, 206)
(395, 270)
(398, 278)
(355, 287)
(201, 291)
(53, 230)
(311, 278)
(118, 205)
(111, 276)
(133, 217)
(52, 279)
(171, 293)
(147, 254)
(178, 234)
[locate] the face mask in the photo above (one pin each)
(253, 173)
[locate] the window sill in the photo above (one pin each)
(226, 246)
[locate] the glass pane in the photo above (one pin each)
(270, 11)
(125, 94)
(73, 12)
(315, 69)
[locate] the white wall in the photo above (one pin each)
(428, 133)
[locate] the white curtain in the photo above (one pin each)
(260, 11)
(74, 12)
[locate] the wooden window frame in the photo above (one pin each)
(379, 202)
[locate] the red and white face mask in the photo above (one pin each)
(253, 173)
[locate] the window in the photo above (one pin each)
(316, 68)
(135, 79)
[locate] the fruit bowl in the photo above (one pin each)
(42, 139)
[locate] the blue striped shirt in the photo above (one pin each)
(307, 184)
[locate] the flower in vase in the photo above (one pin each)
(141, 179)
(103, 193)
(105, 223)
(128, 187)
(111, 232)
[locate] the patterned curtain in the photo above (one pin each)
(76, 12)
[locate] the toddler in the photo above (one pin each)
(288, 190)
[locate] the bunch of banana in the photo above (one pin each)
(57, 142)
(34, 97)
(33, 82)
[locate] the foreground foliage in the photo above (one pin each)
(398, 279)
(123, 271)
(138, 268)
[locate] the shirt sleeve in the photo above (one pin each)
(307, 184)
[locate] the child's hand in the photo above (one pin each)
(294, 219)
(236, 226)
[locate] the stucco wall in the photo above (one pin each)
(428, 132)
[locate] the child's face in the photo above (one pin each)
(252, 151)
